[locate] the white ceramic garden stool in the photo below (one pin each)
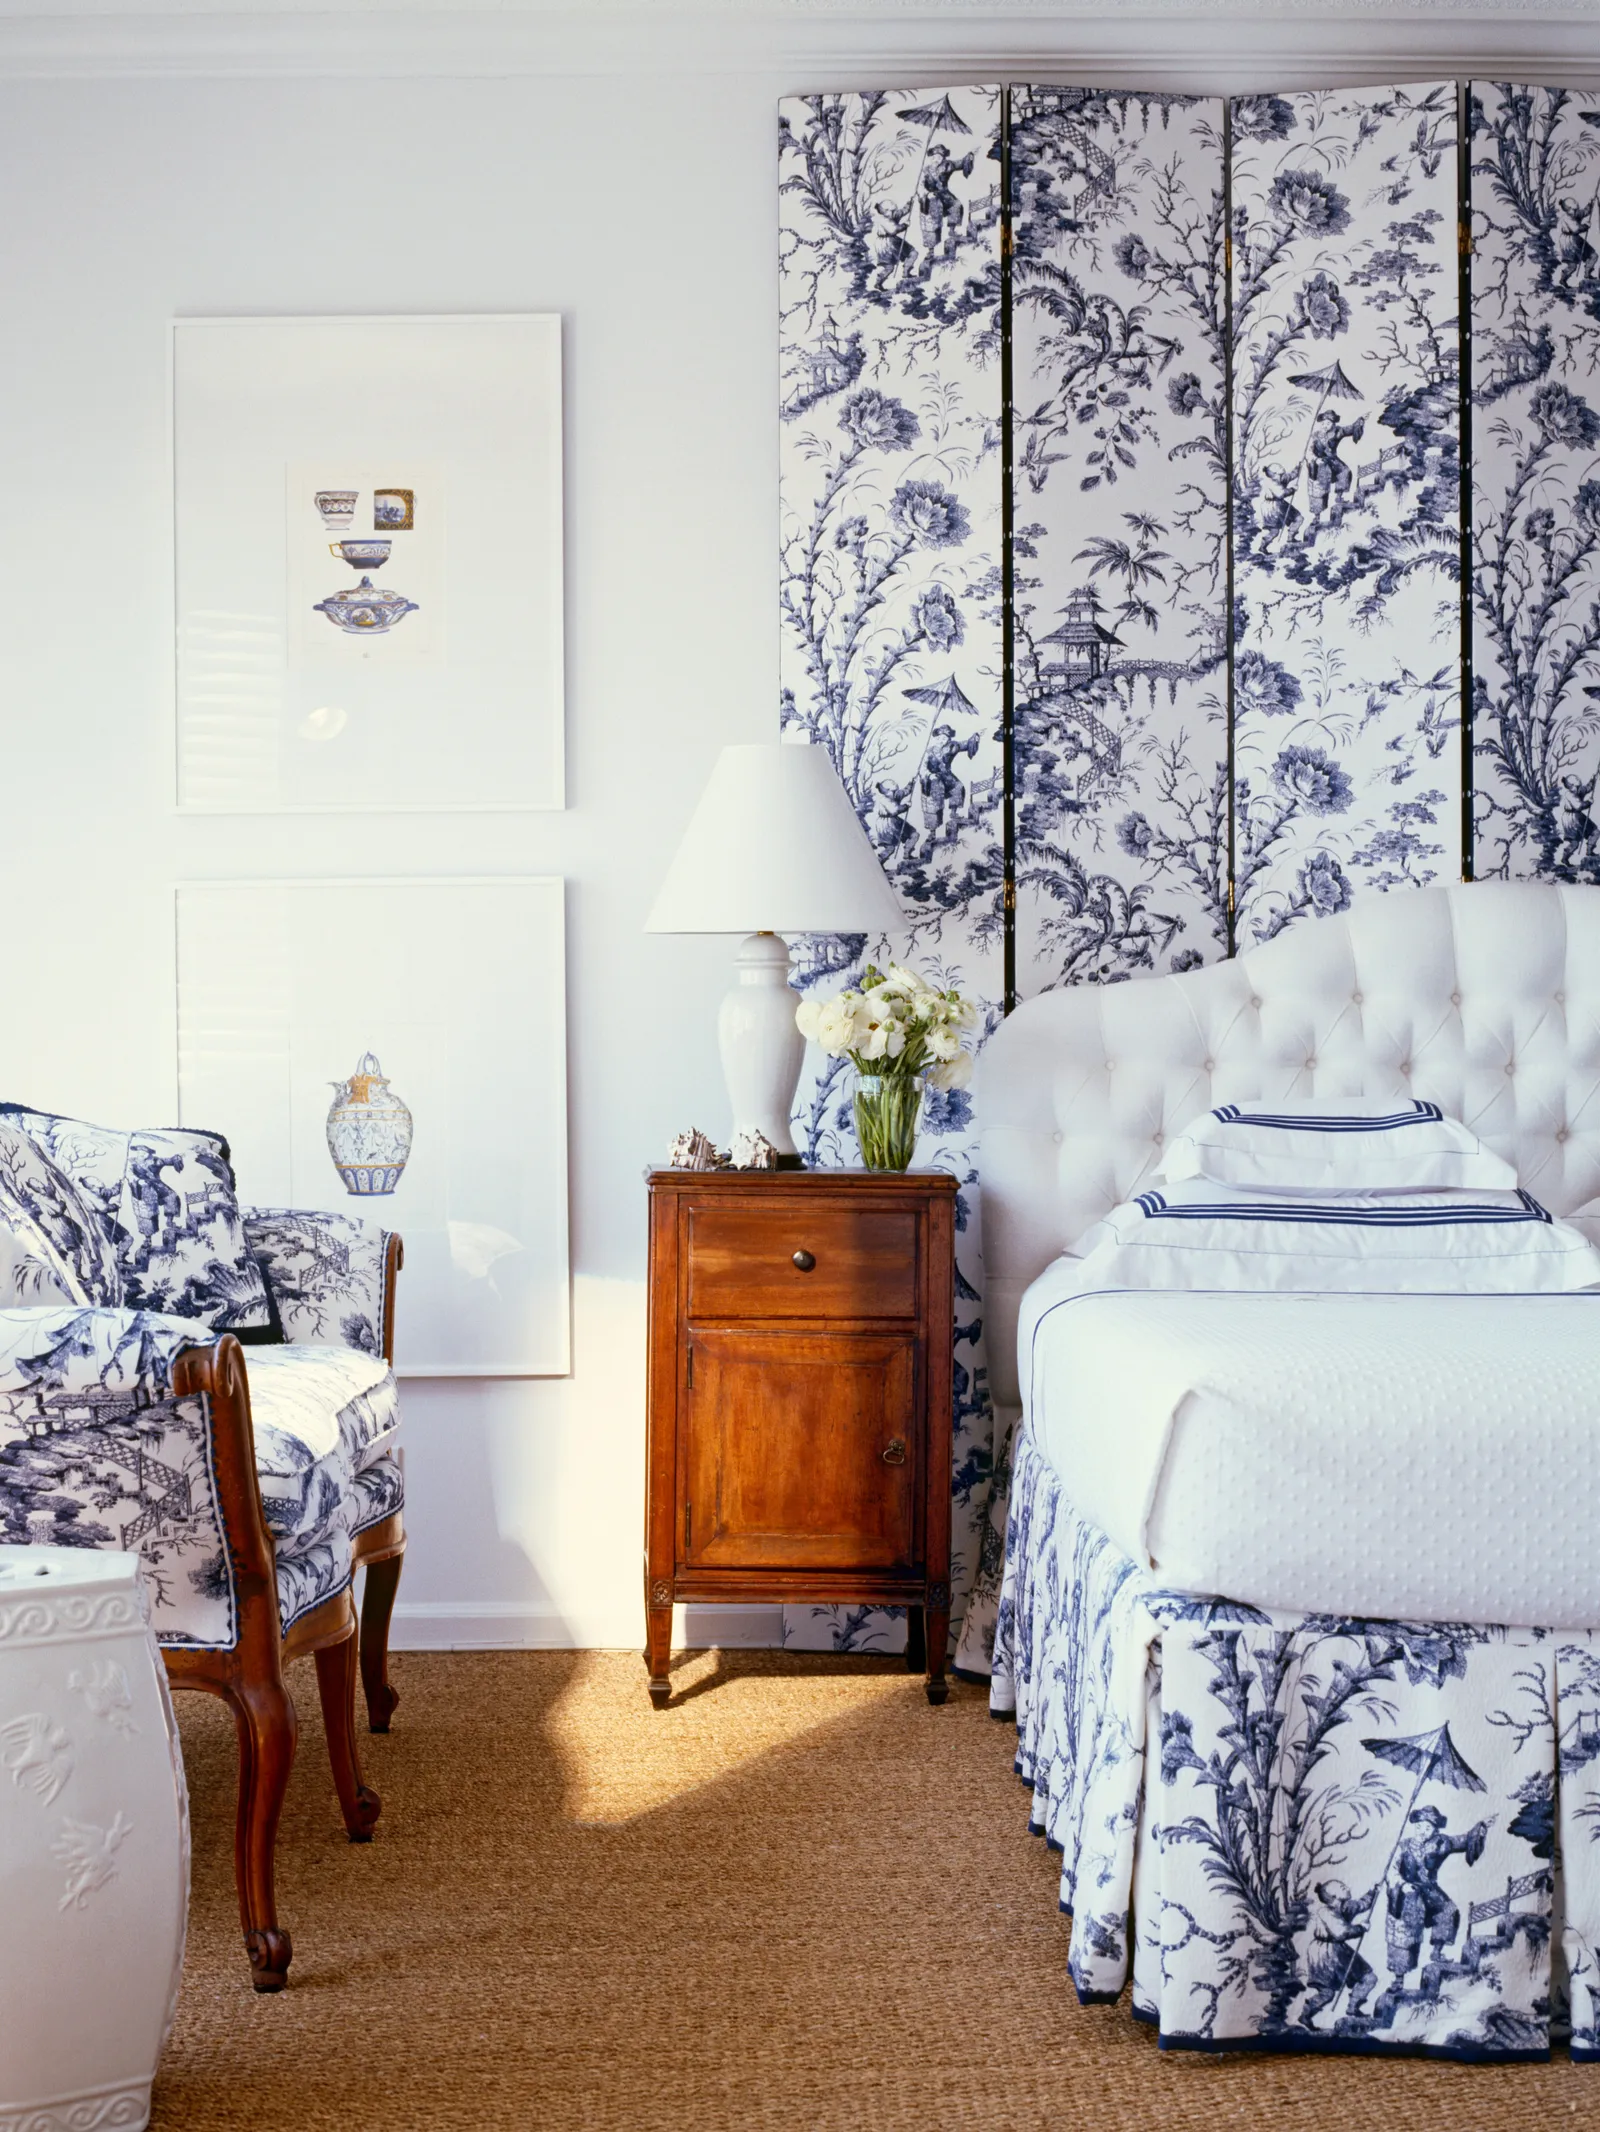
(94, 1843)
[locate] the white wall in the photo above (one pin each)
(634, 194)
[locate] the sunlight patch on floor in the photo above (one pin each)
(723, 1717)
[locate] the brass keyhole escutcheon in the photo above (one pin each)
(894, 1451)
(803, 1261)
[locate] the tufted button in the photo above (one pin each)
(1561, 1132)
(1255, 999)
(1405, 1068)
(1561, 999)
(1210, 1066)
(1311, 1065)
(1111, 1065)
(1510, 1070)
(1355, 999)
(1156, 1140)
(1058, 1137)
(1455, 999)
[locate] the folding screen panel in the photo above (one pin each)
(1346, 500)
(1535, 389)
(892, 646)
(1119, 471)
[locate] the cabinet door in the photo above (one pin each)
(800, 1451)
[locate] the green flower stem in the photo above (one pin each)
(886, 1119)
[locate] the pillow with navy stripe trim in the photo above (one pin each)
(1334, 1144)
(1194, 1235)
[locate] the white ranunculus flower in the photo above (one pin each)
(943, 1044)
(807, 1015)
(905, 980)
(874, 1042)
(952, 1073)
(838, 1025)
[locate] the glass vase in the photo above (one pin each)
(886, 1119)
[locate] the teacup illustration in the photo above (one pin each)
(394, 510)
(362, 554)
(338, 508)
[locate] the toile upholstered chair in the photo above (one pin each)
(210, 1388)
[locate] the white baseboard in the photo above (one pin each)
(490, 1625)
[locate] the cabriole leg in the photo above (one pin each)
(336, 1684)
(377, 1605)
(265, 1721)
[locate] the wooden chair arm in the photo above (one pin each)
(217, 1374)
(394, 1258)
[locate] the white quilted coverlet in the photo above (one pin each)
(1408, 1457)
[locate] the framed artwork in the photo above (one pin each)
(396, 1051)
(367, 572)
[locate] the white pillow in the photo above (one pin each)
(1334, 1144)
(1195, 1236)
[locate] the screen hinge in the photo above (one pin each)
(1010, 895)
(1464, 239)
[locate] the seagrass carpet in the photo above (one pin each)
(798, 1897)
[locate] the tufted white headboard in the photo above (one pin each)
(1484, 999)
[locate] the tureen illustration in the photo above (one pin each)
(364, 611)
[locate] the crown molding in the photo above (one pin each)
(799, 44)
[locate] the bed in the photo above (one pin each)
(1300, 1624)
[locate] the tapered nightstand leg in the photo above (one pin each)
(916, 1640)
(938, 1637)
(658, 1651)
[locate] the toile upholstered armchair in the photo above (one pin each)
(210, 1388)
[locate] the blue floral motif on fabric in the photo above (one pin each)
(1119, 324)
(891, 646)
(1346, 500)
(326, 1273)
(1535, 162)
(1298, 1831)
(167, 1202)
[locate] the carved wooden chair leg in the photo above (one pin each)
(264, 1717)
(377, 1605)
(336, 1684)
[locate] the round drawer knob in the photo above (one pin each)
(803, 1261)
(894, 1451)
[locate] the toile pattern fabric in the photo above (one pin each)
(1346, 499)
(325, 1273)
(891, 642)
(1535, 392)
(96, 1452)
(55, 1228)
(166, 1200)
(319, 1415)
(1298, 1831)
(1119, 324)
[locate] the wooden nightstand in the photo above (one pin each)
(799, 1446)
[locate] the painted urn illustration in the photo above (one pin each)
(364, 611)
(369, 1131)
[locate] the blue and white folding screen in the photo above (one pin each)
(1131, 572)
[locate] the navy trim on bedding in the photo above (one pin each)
(1423, 1214)
(1290, 1122)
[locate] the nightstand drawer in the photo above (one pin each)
(794, 1261)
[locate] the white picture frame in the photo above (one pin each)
(440, 687)
(457, 987)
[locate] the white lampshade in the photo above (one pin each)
(774, 847)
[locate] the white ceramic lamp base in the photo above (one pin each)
(94, 1843)
(761, 1046)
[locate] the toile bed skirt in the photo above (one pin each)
(1299, 1831)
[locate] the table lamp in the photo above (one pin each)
(774, 847)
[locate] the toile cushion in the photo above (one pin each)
(55, 1226)
(323, 1418)
(166, 1199)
